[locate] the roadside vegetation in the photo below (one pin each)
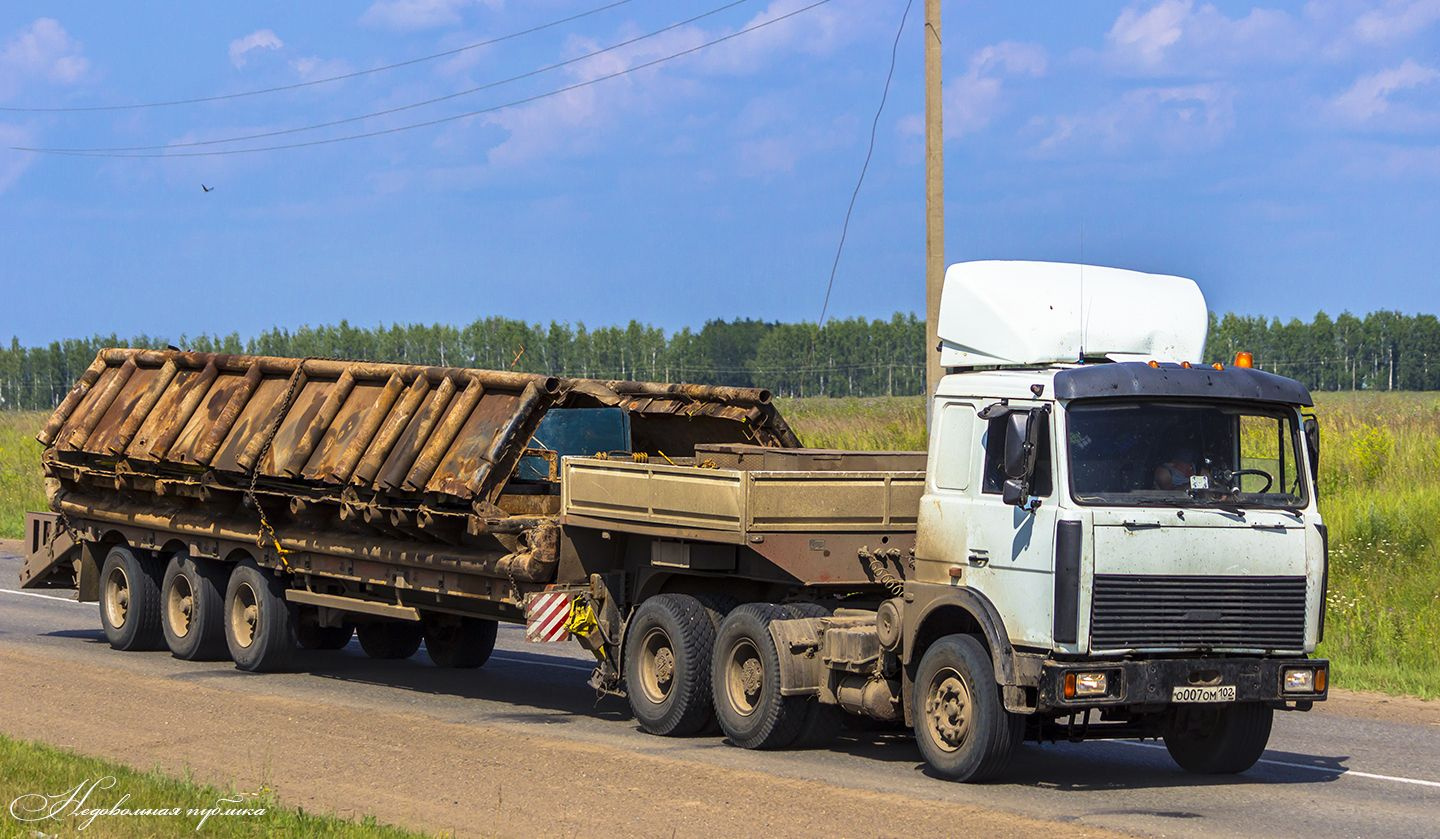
(33, 771)
(1380, 495)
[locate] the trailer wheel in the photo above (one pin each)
(1229, 741)
(259, 624)
(961, 725)
(462, 643)
(746, 674)
(667, 665)
(192, 612)
(822, 722)
(130, 601)
(389, 640)
(310, 635)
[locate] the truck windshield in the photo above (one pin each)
(1185, 455)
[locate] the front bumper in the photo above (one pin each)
(1149, 684)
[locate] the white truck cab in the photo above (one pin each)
(1135, 532)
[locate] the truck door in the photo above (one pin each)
(952, 473)
(1010, 551)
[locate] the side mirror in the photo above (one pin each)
(1022, 433)
(1312, 442)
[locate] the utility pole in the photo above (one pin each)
(934, 196)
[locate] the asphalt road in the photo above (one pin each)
(1325, 774)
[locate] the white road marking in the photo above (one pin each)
(1340, 772)
(46, 597)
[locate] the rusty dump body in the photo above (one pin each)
(392, 482)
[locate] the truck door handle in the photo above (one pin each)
(979, 558)
(1141, 525)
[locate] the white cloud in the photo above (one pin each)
(313, 67)
(1168, 119)
(574, 122)
(43, 50)
(260, 39)
(973, 99)
(1397, 19)
(410, 15)
(1179, 36)
(1369, 96)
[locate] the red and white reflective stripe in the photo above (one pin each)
(545, 617)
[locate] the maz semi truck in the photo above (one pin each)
(1106, 539)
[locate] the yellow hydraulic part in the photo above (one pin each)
(583, 624)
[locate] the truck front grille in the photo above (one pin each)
(1140, 611)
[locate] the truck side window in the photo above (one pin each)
(994, 477)
(953, 458)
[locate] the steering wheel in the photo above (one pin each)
(1269, 479)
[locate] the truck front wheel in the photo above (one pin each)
(259, 624)
(667, 665)
(1220, 741)
(961, 725)
(130, 601)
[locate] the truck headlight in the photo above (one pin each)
(1086, 684)
(1303, 680)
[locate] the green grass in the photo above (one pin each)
(1380, 497)
(32, 769)
(21, 485)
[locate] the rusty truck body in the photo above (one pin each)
(1095, 545)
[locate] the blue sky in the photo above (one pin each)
(1285, 156)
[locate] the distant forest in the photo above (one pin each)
(857, 357)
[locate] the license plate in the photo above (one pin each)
(1214, 693)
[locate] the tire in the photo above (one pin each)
(389, 641)
(259, 623)
(130, 601)
(822, 722)
(1232, 741)
(745, 671)
(668, 645)
(192, 612)
(461, 643)
(961, 725)
(310, 635)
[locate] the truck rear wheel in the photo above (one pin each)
(822, 722)
(961, 725)
(259, 624)
(463, 643)
(192, 612)
(746, 674)
(310, 635)
(667, 665)
(130, 601)
(1226, 741)
(389, 640)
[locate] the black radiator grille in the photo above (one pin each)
(1135, 611)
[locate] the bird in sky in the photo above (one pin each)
(207, 188)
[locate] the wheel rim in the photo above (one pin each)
(117, 597)
(657, 665)
(244, 615)
(180, 605)
(744, 677)
(949, 709)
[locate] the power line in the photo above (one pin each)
(311, 83)
(400, 108)
(451, 118)
(869, 152)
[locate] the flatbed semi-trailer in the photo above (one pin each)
(1105, 538)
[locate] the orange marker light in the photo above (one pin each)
(1218, 366)
(1153, 363)
(1185, 364)
(1070, 677)
(1244, 359)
